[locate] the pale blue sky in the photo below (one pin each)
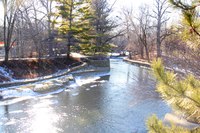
(117, 7)
(130, 3)
(135, 4)
(1, 12)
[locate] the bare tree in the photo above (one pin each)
(35, 26)
(160, 14)
(142, 27)
(11, 8)
(132, 39)
(48, 6)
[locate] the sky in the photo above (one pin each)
(135, 4)
(119, 5)
(1, 12)
(129, 3)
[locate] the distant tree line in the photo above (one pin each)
(146, 30)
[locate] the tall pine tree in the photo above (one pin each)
(87, 32)
(103, 25)
(75, 25)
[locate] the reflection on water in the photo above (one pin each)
(116, 102)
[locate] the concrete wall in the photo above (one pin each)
(99, 63)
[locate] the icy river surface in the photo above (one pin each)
(118, 101)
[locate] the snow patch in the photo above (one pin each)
(92, 86)
(75, 94)
(6, 74)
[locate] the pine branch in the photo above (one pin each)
(176, 92)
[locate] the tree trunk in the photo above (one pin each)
(5, 31)
(51, 54)
(6, 55)
(51, 38)
(158, 41)
(159, 54)
(70, 31)
(68, 49)
(130, 55)
(147, 53)
(142, 52)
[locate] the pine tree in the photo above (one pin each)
(87, 33)
(103, 25)
(182, 94)
(190, 22)
(75, 25)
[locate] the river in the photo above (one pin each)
(119, 101)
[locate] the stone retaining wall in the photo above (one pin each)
(99, 63)
(146, 64)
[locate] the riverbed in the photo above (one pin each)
(118, 101)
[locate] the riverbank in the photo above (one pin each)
(34, 68)
(176, 65)
(80, 64)
(54, 82)
(48, 77)
(138, 62)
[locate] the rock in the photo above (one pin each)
(41, 88)
(71, 78)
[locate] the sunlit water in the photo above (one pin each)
(95, 103)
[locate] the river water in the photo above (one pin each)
(118, 101)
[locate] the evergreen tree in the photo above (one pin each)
(190, 22)
(183, 95)
(75, 24)
(103, 25)
(87, 33)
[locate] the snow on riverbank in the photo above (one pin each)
(5, 74)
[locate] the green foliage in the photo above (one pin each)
(190, 23)
(183, 95)
(85, 23)
(76, 21)
(156, 126)
(90, 49)
(87, 49)
(103, 24)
